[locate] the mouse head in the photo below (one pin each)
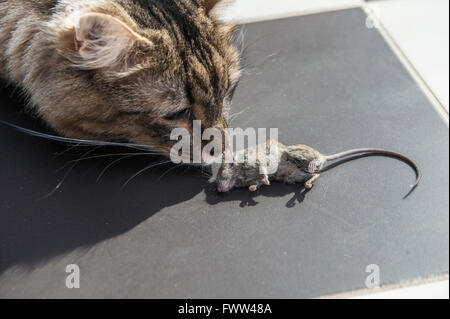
(225, 176)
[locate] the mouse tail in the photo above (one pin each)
(382, 152)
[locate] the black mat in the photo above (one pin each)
(325, 80)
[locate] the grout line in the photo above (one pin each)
(293, 14)
(388, 287)
(426, 89)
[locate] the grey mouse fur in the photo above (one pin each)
(296, 164)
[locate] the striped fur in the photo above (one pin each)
(120, 69)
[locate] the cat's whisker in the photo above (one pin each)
(110, 165)
(169, 170)
(143, 170)
(240, 40)
(110, 155)
(58, 186)
(74, 140)
(235, 115)
(90, 151)
(66, 151)
(203, 172)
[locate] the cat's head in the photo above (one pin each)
(136, 69)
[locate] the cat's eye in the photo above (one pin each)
(177, 116)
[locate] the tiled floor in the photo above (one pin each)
(420, 28)
(435, 290)
(143, 242)
(243, 11)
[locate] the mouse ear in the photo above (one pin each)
(103, 41)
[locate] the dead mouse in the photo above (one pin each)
(295, 164)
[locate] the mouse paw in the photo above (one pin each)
(310, 183)
(265, 180)
(253, 188)
(312, 167)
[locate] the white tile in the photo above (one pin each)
(421, 29)
(255, 10)
(436, 290)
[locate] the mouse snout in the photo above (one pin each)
(225, 186)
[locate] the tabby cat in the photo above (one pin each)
(120, 69)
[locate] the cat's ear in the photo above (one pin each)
(210, 4)
(103, 41)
